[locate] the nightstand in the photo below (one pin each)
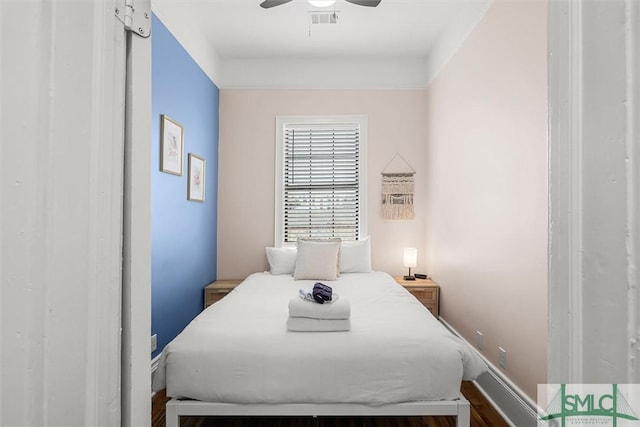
(425, 290)
(215, 291)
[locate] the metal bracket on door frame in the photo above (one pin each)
(137, 21)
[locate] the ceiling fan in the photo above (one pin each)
(266, 4)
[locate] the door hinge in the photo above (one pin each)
(135, 17)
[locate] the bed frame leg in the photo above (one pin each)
(464, 414)
(172, 419)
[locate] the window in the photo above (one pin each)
(320, 178)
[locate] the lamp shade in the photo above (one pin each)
(410, 257)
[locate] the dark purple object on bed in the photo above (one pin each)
(322, 293)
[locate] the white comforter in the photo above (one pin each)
(239, 350)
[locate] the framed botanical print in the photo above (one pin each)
(196, 183)
(171, 145)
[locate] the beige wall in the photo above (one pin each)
(487, 188)
(247, 162)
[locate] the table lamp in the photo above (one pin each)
(410, 259)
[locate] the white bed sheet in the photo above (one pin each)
(239, 350)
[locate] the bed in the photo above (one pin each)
(238, 358)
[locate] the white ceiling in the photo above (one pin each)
(229, 38)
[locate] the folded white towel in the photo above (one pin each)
(307, 294)
(340, 309)
(304, 324)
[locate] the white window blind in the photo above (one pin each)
(321, 181)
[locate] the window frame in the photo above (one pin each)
(284, 121)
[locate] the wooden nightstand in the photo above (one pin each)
(426, 290)
(217, 290)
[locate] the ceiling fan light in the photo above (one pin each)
(322, 3)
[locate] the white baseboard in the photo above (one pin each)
(155, 362)
(154, 367)
(514, 406)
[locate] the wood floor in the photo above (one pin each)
(482, 415)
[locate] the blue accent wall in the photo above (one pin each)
(184, 236)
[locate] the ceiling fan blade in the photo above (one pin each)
(368, 3)
(266, 4)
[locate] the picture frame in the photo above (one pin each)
(196, 184)
(171, 145)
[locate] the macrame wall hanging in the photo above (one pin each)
(397, 189)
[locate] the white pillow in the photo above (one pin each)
(355, 256)
(281, 260)
(317, 260)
